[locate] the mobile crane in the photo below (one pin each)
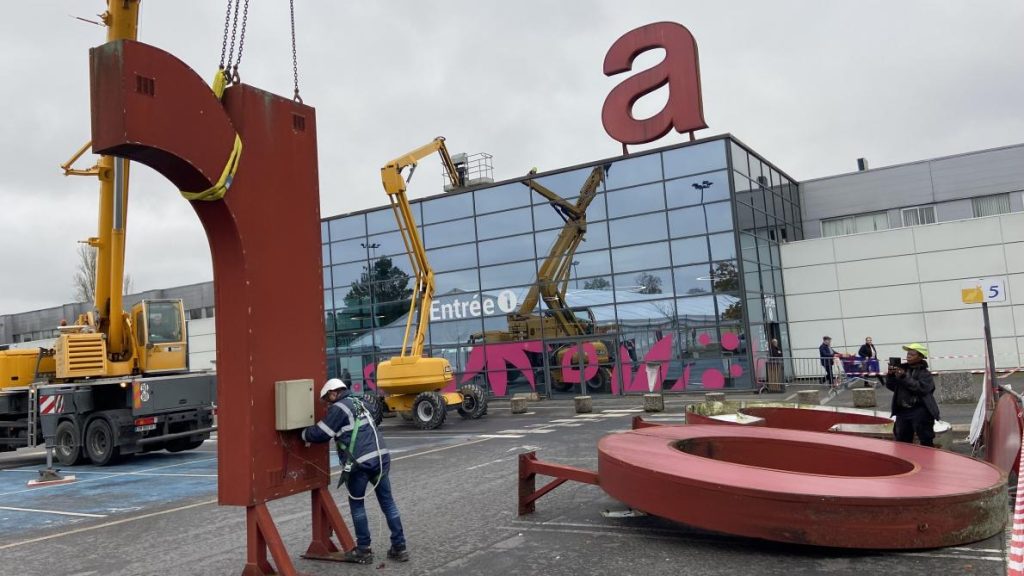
(114, 383)
(558, 320)
(409, 381)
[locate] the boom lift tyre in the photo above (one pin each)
(474, 402)
(428, 410)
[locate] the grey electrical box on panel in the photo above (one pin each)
(293, 402)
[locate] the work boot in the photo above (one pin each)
(398, 554)
(359, 556)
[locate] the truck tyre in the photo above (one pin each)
(183, 444)
(428, 410)
(67, 446)
(375, 404)
(99, 442)
(474, 402)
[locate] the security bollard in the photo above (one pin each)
(654, 403)
(583, 405)
(808, 397)
(518, 405)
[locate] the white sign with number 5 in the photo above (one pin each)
(981, 290)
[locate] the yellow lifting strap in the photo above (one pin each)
(217, 191)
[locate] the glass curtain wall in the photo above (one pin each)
(655, 296)
(768, 214)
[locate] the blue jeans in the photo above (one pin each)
(357, 485)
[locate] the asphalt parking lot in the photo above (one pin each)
(456, 488)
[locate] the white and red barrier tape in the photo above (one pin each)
(1015, 559)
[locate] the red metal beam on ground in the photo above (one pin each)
(529, 467)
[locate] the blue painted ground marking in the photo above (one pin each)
(144, 482)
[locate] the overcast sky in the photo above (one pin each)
(810, 85)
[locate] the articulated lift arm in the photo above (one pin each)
(395, 186)
(553, 276)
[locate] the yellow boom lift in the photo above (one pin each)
(410, 382)
(558, 320)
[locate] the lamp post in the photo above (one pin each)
(702, 186)
(368, 246)
(576, 273)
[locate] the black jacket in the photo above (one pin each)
(369, 452)
(867, 351)
(827, 354)
(915, 388)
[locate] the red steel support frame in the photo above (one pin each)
(265, 242)
(529, 467)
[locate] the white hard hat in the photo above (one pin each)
(332, 384)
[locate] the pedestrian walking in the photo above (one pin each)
(774, 365)
(365, 461)
(828, 356)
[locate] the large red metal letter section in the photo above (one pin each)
(265, 240)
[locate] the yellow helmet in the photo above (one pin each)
(919, 348)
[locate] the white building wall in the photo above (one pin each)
(900, 286)
(202, 344)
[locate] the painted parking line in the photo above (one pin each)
(58, 512)
(502, 436)
(530, 431)
(624, 410)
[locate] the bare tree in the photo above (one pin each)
(648, 283)
(84, 281)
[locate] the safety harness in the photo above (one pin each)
(346, 469)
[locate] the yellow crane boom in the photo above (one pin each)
(553, 276)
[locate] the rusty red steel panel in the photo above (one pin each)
(1004, 446)
(264, 238)
(804, 487)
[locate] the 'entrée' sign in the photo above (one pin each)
(457, 309)
(680, 70)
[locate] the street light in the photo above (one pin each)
(576, 273)
(702, 186)
(368, 246)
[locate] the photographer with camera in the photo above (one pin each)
(913, 400)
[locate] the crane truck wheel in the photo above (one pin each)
(474, 402)
(428, 410)
(99, 442)
(67, 445)
(183, 444)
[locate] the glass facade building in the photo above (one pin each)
(676, 286)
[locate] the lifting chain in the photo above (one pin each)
(231, 22)
(295, 59)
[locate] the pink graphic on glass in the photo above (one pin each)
(634, 379)
(492, 358)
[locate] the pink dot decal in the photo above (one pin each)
(736, 370)
(712, 378)
(730, 341)
(704, 339)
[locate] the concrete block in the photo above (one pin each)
(864, 398)
(518, 405)
(954, 387)
(528, 396)
(710, 397)
(654, 403)
(808, 397)
(584, 405)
